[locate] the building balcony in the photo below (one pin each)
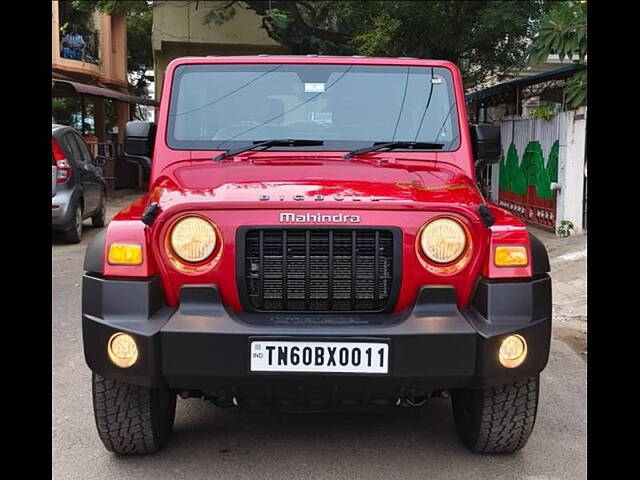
(92, 50)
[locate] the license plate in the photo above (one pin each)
(314, 356)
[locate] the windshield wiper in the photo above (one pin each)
(269, 143)
(381, 145)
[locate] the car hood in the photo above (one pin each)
(319, 183)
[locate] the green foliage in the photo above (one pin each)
(125, 7)
(481, 37)
(373, 41)
(576, 89)
(545, 112)
(64, 109)
(279, 19)
(220, 14)
(565, 228)
(563, 31)
(68, 111)
(75, 16)
(139, 51)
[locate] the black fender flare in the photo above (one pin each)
(94, 255)
(539, 256)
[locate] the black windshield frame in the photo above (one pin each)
(329, 144)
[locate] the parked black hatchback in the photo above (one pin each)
(80, 190)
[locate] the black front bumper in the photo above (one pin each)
(202, 347)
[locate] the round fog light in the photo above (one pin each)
(122, 350)
(513, 351)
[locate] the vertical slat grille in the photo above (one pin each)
(318, 270)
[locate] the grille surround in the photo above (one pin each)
(247, 295)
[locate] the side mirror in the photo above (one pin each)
(139, 138)
(487, 148)
(100, 161)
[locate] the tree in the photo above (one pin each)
(563, 30)
(139, 52)
(65, 110)
(483, 38)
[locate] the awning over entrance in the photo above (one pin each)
(517, 90)
(67, 86)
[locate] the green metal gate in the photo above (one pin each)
(529, 168)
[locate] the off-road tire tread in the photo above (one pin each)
(503, 417)
(125, 417)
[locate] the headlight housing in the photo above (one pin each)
(193, 239)
(443, 240)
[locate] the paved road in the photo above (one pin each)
(211, 443)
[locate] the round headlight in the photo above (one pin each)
(193, 239)
(443, 240)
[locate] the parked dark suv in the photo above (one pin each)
(80, 191)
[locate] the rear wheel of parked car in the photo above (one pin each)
(132, 420)
(74, 234)
(496, 419)
(98, 219)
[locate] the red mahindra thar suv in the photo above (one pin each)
(313, 237)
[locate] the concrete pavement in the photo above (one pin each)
(568, 259)
(211, 443)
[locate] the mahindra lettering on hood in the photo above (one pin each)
(289, 217)
(313, 237)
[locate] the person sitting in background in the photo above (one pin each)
(73, 44)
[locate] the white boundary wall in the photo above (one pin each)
(571, 163)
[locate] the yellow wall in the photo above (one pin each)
(179, 31)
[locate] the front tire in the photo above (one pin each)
(496, 419)
(99, 218)
(132, 420)
(74, 234)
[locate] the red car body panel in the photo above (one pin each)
(392, 188)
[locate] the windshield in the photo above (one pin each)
(215, 107)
